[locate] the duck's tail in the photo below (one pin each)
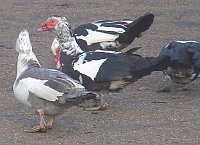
(146, 66)
(135, 28)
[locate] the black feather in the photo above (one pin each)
(117, 67)
(135, 28)
(82, 29)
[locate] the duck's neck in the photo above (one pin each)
(67, 42)
(26, 61)
(70, 46)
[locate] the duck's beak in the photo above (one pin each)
(41, 30)
(43, 27)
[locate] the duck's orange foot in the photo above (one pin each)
(36, 129)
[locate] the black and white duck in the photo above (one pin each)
(100, 70)
(104, 34)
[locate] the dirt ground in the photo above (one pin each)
(137, 115)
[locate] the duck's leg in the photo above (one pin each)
(103, 103)
(185, 87)
(99, 105)
(41, 127)
(165, 87)
(50, 122)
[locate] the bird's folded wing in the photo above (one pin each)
(104, 31)
(98, 36)
(41, 90)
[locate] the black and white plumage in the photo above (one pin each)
(46, 91)
(106, 34)
(101, 70)
(111, 35)
(185, 57)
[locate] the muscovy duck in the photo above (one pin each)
(105, 34)
(100, 70)
(46, 91)
(185, 58)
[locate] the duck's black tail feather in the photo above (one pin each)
(89, 100)
(132, 50)
(76, 97)
(195, 55)
(135, 28)
(146, 66)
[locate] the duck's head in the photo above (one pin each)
(181, 74)
(59, 26)
(23, 43)
(26, 57)
(185, 57)
(53, 22)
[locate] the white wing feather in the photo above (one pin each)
(96, 36)
(38, 88)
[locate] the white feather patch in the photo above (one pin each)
(95, 37)
(112, 29)
(117, 21)
(179, 41)
(108, 51)
(90, 68)
(38, 88)
(186, 41)
(21, 93)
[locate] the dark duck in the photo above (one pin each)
(185, 58)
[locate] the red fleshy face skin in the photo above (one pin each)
(57, 56)
(48, 25)
(57, 59)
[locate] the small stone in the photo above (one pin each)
(143, 88)
(165, 89)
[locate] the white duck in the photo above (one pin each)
(46, 91)
(104, 34)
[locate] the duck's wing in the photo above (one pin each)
(49, 84)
